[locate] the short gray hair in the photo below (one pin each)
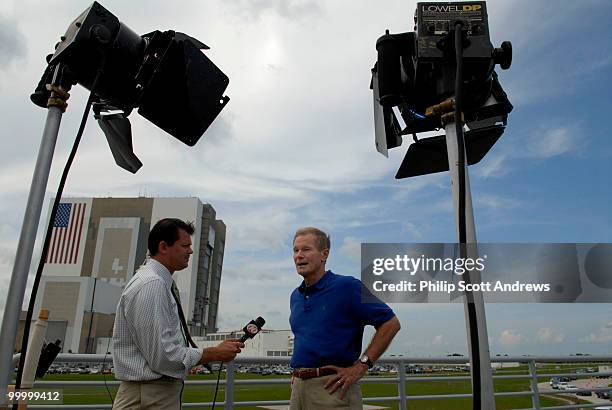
(322, 241)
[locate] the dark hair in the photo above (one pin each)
(322, 241)
(167, 230)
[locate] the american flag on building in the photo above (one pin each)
(66, 235)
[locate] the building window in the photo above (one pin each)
(270, 353)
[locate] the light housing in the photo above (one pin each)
(163, 74)
(415, 70)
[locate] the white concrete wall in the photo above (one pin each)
(105, 344)
(106, 299)
(268, 340)
(75, 323)
(124, 260)
(187, 209)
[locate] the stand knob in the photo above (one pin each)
(503, 55)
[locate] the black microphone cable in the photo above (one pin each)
(45, 248)
(471, 307)
(250, 331)
(217, 387)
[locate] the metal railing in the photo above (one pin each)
(400, 363)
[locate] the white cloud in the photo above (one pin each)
(552, 142)
(250, 270)
(438, 340)
(351, 248)
(494, 165)
(510, 338)
(12, 42)
(603, 335)
(544, 143)
(413, 230)
(496, 202)
(549, 335)
(289, 9)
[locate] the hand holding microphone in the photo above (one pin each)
(227, 350)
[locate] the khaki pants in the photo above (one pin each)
(153, 395)
(310, 394)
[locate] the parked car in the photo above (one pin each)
(603, 394)
(568, 387)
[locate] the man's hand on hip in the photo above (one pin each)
(344, 377)
(225, 351)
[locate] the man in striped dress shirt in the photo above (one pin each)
(150, 350)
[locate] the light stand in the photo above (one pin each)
(414, 72)
(27, 237)
(483, 396)
(474, 308)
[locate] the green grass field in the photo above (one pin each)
(99, 395)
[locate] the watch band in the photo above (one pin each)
(364, 359)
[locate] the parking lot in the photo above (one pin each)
(590, 383)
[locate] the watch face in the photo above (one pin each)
(366, 360)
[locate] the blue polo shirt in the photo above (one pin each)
(328, 318)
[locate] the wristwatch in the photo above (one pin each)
(366, 360)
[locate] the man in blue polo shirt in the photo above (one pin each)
(327, 320)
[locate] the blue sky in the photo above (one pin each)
(295, 147)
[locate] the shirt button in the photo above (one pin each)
(307, 297)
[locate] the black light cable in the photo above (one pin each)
(459, 132)
(471, 307)
(45, 248)
(104, 375)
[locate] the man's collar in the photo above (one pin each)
(161, 270)
(319, 285)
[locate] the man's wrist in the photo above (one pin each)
(363, 365)
(208, 355)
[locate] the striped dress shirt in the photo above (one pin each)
(148, 342)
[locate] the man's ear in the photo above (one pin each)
(162, 247)
(325, 253)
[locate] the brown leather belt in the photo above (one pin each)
(165, 378)
(305, 374)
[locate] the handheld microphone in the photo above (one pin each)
(252, 328)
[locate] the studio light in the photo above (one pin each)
(163, 74)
